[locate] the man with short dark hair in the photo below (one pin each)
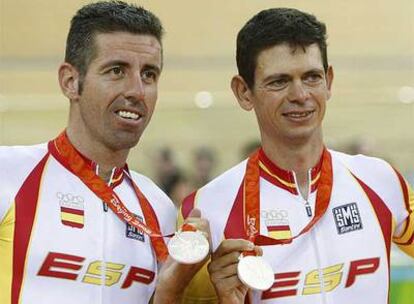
(76, 225)
(323, 220)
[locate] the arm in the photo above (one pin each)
(174, 277)
(405, 231)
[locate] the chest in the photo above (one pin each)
(75, 237)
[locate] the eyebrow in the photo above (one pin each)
(153, 67)
(276, 76)
(315, 71)
(126, 64)
(287, 76)
(114, 63)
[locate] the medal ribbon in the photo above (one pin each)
(72, 160)
(251, 200)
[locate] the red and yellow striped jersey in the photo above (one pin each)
(60, 244)
(343, 259)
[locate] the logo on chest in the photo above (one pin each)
(72, 210)
(277, 223)
(347, 218)
(134, 233)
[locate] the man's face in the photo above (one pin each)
(290, 93)
(119, 90)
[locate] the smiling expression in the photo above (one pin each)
(119, 90)
(290, 93)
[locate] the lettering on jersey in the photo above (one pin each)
(285, 285)
(277, 223)
(72, 210)
(137, 274)
(296, 283)
(325, 280)
(98, 270)
(134, 233)
(60, 265)
(71, 267)
(347, 218)
(361, 267)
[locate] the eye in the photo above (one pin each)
(313, 78)
(278, 84)
(117, 70)
(149, 76)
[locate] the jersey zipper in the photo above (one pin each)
(308, 208)
(104, 234)
(309, 213)
(316, 248)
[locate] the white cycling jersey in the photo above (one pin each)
(60, 244)
(343, 259)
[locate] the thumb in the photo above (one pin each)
(195, 213)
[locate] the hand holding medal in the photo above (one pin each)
(223, 269)
(254, 271)
(188, 251)
(190, 244)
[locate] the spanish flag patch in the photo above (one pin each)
(72, 217)
(279, 232)
(72, 211)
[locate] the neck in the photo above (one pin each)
(94, 150)
(298, 158)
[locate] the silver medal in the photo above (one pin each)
(188, 247)
(255, 272)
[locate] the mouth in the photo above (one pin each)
(128, 115)
(298, 115)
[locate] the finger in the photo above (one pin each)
(222, 272)
(258, 250)
(200, 224)
(223, 261)
(197, 221)
(232, 245)
(226, 284)
(195, 213)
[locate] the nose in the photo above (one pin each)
(135, 88)
(298, 92)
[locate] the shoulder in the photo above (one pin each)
(16, 163)
(10, 155)
(374, 172)
(371, 170)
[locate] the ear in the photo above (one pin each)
(242, 92)
(69, 81)
(329, 80)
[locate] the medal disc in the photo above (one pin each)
(255, 272)
(188, 247)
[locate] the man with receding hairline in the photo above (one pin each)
(76, 225)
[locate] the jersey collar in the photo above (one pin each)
(283, 178)
(118, 172)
